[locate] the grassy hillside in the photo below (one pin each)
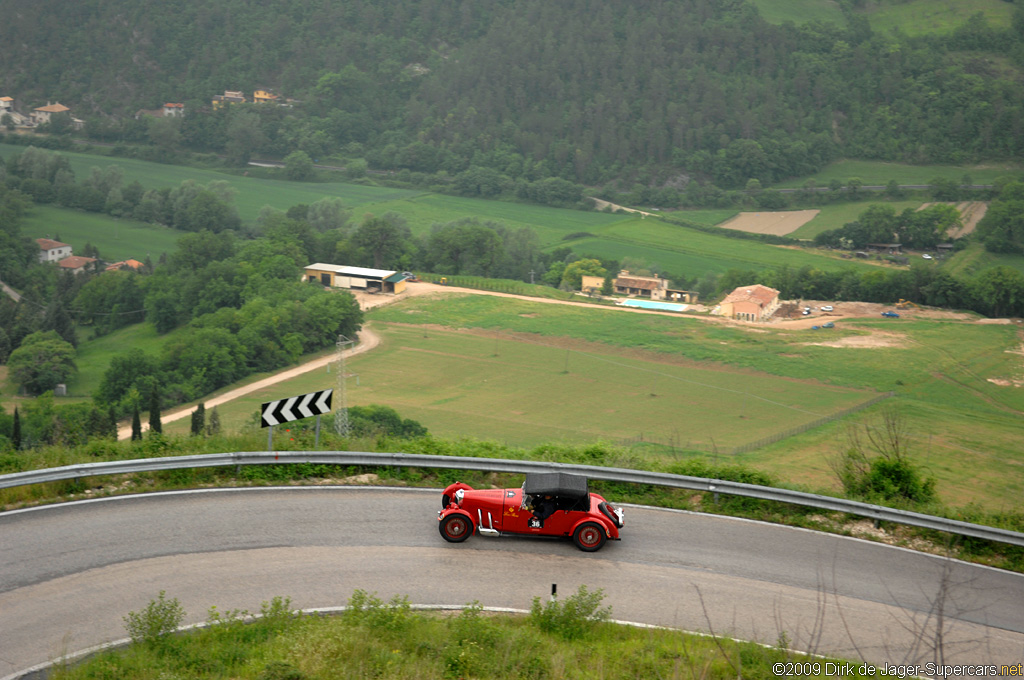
(975, 258)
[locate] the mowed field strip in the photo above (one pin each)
(774, 223)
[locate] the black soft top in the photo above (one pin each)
(561, 484)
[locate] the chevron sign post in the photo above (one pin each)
(293, 408)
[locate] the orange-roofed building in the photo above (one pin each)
(173, 110)
(750, 303)
(76, 263)
(125, 264)
(42, 114)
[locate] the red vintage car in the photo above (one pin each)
(548, 504)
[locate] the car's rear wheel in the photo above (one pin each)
(455, 528)
(589, 537)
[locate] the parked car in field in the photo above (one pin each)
(891, 315)
(927, 256)
(830, 324)
(548, 504)
(827, 308)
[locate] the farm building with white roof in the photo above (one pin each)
(359, 278)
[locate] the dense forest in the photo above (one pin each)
(655, 92)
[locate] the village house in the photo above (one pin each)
(652, 287)
(52, 251)
(7, 109)
(76, 264)
(42, 114)
(229, 97)
(169, 110)
(592, 285)
(265, 97)
(750, 303)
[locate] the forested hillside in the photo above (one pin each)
(519, 90)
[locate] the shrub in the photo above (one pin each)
(160, 618)
(572, 619)
(369, 610)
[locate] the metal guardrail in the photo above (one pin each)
(715, 486)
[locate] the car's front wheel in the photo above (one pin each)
(455, 528)
(589, 537)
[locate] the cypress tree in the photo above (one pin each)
(198, 420)
(154, 413)
(136, 424)
(16, 434)
(214, 426)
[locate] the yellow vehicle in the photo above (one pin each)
(907, 304)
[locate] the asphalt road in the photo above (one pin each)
(69, 573)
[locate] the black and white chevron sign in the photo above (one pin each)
(303, 406)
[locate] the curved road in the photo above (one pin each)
(70, 572)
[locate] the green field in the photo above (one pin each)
(800, 11)
(694, 253)
(421, 209)
(879, 173)
(252, 193)
(499, 386)
(116, 238)
(924, 17)
(551, 224)
(914, 17)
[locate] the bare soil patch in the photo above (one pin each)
(867, 341)
(775, 223)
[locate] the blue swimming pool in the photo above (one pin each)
(654, 304)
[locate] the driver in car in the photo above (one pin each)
(542, 508)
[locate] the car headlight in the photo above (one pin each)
(458, 497)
